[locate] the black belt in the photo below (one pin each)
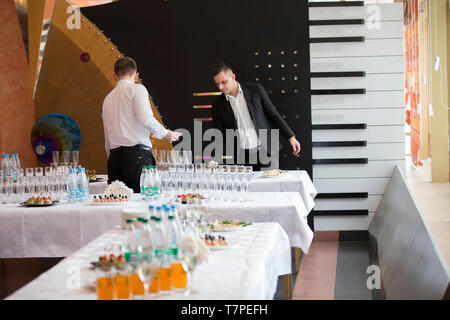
(130, 149)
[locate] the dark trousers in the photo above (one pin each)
(126, 166)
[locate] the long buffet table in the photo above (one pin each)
(294, 181)
(59, 230)
(247, 270)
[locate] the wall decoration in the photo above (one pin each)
(54, 132)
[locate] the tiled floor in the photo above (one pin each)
(317, 276)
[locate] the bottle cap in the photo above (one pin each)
(158, 208)
(151, 207)
(171, 217)
(173, 206)
(129, 220)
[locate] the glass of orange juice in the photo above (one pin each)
(179, 272)
(105, 283)
(122, 282)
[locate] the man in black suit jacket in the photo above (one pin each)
(247, 108)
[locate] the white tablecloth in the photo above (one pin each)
(294, 181)
(248, 270)
(99, 186)
(60, 230)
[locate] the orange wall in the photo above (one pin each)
(16, 106)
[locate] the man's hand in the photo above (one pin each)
(295, 146)
(172, 136)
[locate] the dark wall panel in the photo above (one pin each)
(176, 43)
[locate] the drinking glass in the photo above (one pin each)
(75, 157)
(9, 189)
(187, 157)
(162, 156)
(195, 183)
(66, 157)
(21, 186)
(21, 172)
(155, 155)
(190, 252)
(55, 157)
(105, 283)
(199, 168)
(15, 191)
(29, 172)
(38, 172)
(48, 171)
(147, 268)
(55, 188)
(190, 168)
(62, 186)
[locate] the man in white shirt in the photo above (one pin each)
(128, 120)
(248, 109)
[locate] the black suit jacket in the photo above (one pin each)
(262, 111)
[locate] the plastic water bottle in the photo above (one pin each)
(12, 165)
(130, 245)
(156, 181)
(18, 162)
(147, 242)
(159, 233)
(83, 186)
(159, 212)
(149, 185)
(152, 210)
(72, 186)
(174, 231)
(5, 166)
(142, 183)
(176, 215)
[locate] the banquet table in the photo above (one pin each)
(293, 181)
(61, 229)
(247, 270)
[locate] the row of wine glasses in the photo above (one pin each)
(25, 187)
(172, 156)
(68, 157)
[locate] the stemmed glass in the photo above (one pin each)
(48, 171)
(75, 157)
(147, 268)
(29, 172)
(190, 168)
(191, 254)
(162, 156)
(199, 168)
(55, 157)
(66, 158)
(38, 172)
(187, 157)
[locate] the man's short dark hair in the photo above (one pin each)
(125, 67)
(219, 68)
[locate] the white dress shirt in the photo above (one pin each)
(128, 117)
(248, 139)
